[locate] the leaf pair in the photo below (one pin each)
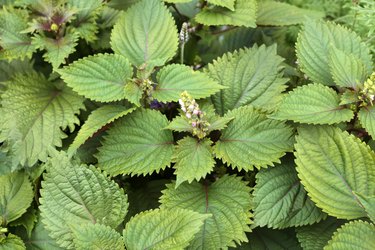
(139, 144)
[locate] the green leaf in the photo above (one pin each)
(193, 158)
(313, 104)
(368, 202)
(49, 106)
(137, 144)
(177, 1)
(332, 165)
(272, 13)
(96, 237)
(101, 77)
(353, 235)
(96, 120)
(252, 139)
(280, 200)
(57, 50)
(133, 93)
(315, 42)
(12, 242)
(316, 236)
(229, 4)
(137, 35)
(180, 124)
(6, 166)
(144, 196)
(10, 69)
(27, 220)
(175, 79)
(40, 240)
(85, 19)
(75, 195)
(244, 14)
(14, 43)
(267, 239)
(228, 200)
(163, 229)
(16, 194)
(252, 77)
(347, 69)
(366, 116)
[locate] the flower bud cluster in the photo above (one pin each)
(147, 88)
(195, 116)
(184, 33)
(367, 94)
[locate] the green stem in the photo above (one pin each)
(182, 52)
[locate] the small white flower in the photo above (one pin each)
(188, 115)
(183, 109)
(191, 107)
(196, 112)
(372, 97)
(194, 124)
(181, 102)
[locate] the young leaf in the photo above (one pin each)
(14, 43)
(137, 144)
(347, 70)
(356, 234)
(163, 229)
(252, 139)
(244, 14)
(229, 4)
(49, 108)
(56, 49)
(85, 18)
(314, 104)
(332, 165)
(274, 13)
(193, 158)
(96, 237)
(96, 120)
(280, 200)
(228, 200)
(133, 93)
(252, 77)
(146, 34)
(314, 43)
(316, 236)
(16, 194)
(12, 242)
(75, 194)
(101, 77)
(175, 79)
(366, 116)
(180, 124)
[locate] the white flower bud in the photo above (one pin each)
(191, 107)
(183, 109)
(196, 111)
(181, 102)
(188, 115)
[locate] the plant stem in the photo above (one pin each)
(182, 52)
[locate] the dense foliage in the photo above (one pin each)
(187, 124)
